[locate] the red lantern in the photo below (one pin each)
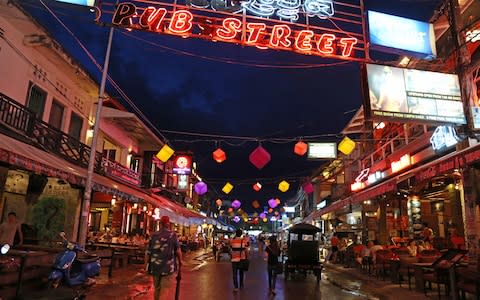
(255, 204)
(307, 187)
(259, 157)
(230, 210)
(219, 155)
(300, 148)
(270, 210)
(257, 187)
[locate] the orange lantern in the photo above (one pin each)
(219, 155)
(230, 210)
(257, 187)
(300, 148)
(270, 210)
(255, 204)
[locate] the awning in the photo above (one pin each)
(33, 159)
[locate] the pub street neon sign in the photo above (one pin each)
(249, 31)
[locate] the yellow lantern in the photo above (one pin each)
(265, 220)
(283, 186)
(346, 146)
(245, 220)
(165, 153)
(227, 188)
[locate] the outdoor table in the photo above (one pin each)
(115, 248)
(24, 256)
(419, 281)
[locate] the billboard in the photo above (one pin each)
(392, 32)
(182, 164)
(414, 95)
(79, 2)
(322, 150)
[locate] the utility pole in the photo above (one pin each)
(93, 150)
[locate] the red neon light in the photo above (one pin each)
(303, 42)
(280, 35)
(152, 18)
(256, 29)
(230, 28)
(181, 22)
(401, 164)
(325, 43)
(347, 44)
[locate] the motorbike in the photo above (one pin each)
(72, 270)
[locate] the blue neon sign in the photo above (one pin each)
(402, 34)
(79, 2)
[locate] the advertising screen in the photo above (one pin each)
(401, 33)
(79, 2)
(414, 95)
(322, 150)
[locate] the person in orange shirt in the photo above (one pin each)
(238, 251)
(334, 248)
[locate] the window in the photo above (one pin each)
(56, 115)
(76, 124)
(135, 164)
(36, 100)
(110, 154)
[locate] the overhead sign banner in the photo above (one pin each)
(79, 2)
(322, 150)
(182, 164)
(414, 95)
(324, 28)
(397, 33)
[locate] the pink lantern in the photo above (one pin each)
(259, 157)
(308, 187)
(236, 204)
(272, 203)
(200, 188)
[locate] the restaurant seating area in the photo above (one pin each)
(429, 271)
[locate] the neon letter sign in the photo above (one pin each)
(280, 35)
(320, 8)
(325, 43)
(152, 18)
(256, 29)
(231, 26)
(347, 44)
(181, 22)
(303, 42)
(401, 164)
(124, 13)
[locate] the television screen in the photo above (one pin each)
(414, 95)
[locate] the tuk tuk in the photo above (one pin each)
(303, 251)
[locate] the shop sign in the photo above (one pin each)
(182, 183)
(374, 177)
(182, 164)
(473, 36)
(116, 170)
(397, 33)
(374, 192)
(443, 138)
(401, 164)
(301, 26)
(322, 204)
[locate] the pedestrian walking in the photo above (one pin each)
(273, 252)
(238, 252)
(163, 252)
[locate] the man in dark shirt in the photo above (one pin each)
(162, 249)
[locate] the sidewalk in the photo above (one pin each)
(358, 281)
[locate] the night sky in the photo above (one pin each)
(180, 86)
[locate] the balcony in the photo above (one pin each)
(21, 120)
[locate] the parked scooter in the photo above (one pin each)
(71, 270)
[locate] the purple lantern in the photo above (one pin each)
(272, 203)
(201, 188)
(236, 204)
(263, 215)
(236, 219)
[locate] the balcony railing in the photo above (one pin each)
(20, 119)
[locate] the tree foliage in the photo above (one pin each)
(49, 217)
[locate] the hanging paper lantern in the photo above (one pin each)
(219, 202)
(245, 220)
(230, 210)
(227, 188)
(255, 204)
(236, 219)
(255, 221)
(219, 156)
(307, 187)
(346, 146)
(255, 214)
(265, 220)
(236, 204)
(257, 187)
(270, 210)
(300, 148)
(283, 186)
(272, 203)
(200, 188)
(165, 153)
(278, 201)
(263, 215)
(259, 157)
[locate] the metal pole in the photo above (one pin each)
(93, 150)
